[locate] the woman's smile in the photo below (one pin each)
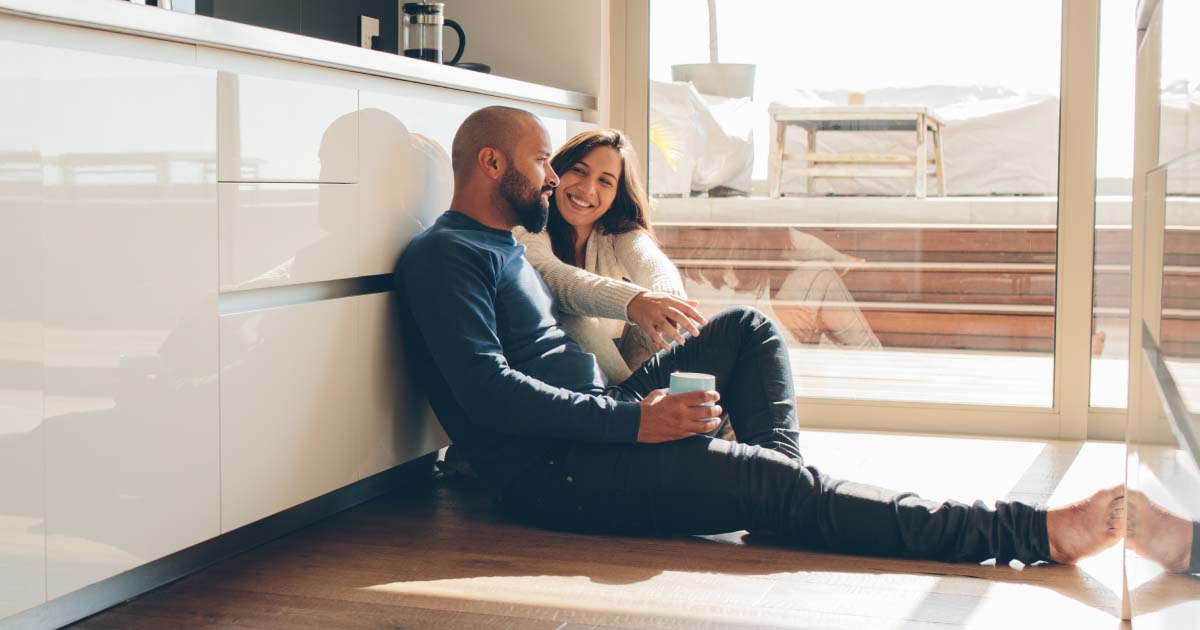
(577, 202)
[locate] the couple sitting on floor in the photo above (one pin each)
(567, 439)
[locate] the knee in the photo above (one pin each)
(746, 320)
(743, 315)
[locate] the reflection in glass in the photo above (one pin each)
(889, 287)
(1179, 327)
(1163, 498)
(1179, 106)
(1161, 535)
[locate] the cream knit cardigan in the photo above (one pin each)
(593, 301)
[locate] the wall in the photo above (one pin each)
(541, 41)
(546, 42)
(334, 21)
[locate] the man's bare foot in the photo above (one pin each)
(1157, 534)
(1086, 527)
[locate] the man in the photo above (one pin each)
(531, 412)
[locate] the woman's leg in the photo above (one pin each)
(590, 333)
(636, 346)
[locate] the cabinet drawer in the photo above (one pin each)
(292, 382)
(280, 234)
(274, 130)
(398, 423)
(314, 396)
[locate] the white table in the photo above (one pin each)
(813, 164)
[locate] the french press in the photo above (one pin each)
(422, 24)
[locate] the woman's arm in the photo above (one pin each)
(577, 292)
(666, 309)
(647, 265)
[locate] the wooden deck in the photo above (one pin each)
(983, 287)
(437, 556)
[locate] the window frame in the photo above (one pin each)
(1070, 415)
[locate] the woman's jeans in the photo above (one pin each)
(702, 485)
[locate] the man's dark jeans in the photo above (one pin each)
(702, 485)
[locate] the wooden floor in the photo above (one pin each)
(436, 556)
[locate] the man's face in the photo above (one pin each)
(528, 179)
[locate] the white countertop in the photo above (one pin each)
(125, 17)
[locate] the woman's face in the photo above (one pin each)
(586, 191)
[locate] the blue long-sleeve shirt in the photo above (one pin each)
(507, 383)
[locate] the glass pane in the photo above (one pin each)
(1179, 113)
(1114, 179)
(1179, 327)
(885, 190)
(1163, 497)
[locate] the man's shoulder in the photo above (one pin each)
(432, 249)
(442, 239)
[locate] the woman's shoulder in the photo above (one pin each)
(636, 235)
(524, 236)
(636, 242)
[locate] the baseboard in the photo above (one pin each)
(107, 593)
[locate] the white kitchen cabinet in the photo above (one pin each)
(135, 419)
(405, 175)
(314, 396)
(22, 359)
(397, 424)
(293, 379)
(281, 234)
(129, 256)
(406, 180)
(278, 130)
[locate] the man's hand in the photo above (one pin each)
(674, 417)
(659, 313)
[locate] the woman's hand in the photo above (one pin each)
(663, 313)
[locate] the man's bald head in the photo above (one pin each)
(498, 127)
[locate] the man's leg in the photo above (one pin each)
(748, 355)
(704, 486)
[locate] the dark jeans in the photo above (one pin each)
(702, 485)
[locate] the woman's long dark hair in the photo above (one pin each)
(629, 207)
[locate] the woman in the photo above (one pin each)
(598, 254)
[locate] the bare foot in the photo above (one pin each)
(1086, 527)
(1157, 534)
(1098, 342)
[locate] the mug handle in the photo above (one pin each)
(462, 41)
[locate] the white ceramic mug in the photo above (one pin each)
(683, 382)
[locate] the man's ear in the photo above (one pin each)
(491, 162)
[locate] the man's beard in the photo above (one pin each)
(526, 200)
